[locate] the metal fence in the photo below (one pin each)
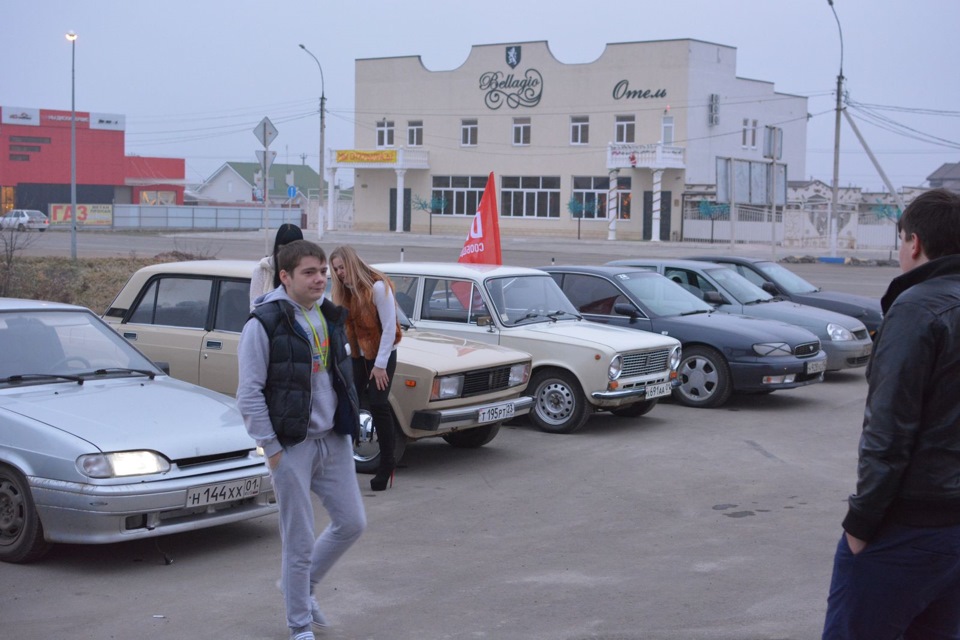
(200, 217)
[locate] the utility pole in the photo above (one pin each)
(323, 126)
(834, 201)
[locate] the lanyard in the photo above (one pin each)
(322, 347)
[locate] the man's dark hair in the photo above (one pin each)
(934, 216)
(292, 253)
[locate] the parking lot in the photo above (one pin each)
(683, 524)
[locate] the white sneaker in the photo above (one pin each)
(316, 614)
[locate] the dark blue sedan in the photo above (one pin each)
(722, 353)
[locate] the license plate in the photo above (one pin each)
(657, 390)
(496, 413)
(816, 367)
(222, 492)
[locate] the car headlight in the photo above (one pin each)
(446, 387)
(838, 332)
(615, 368)
(675, 358)
(772, 349)
(519, 374)
(122, 464)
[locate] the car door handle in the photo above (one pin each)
(130, 335)
(214, 344)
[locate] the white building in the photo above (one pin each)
(644, 121)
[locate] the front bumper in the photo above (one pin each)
(630, 391)
(464, 417)
(847, 354)
(748, 375)
(97, 514)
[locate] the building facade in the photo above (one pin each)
(600, 149)
(35, 167)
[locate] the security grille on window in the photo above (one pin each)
(626, 129)
(385, 133)
(415, 133)
(468, 133)
(579, 129)
(521, 131)
(530, 197)
(590, 197)
(458, 195)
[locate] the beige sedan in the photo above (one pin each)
(188, 315)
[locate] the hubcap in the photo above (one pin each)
(11, 512)
(698, 378)
(367, 448)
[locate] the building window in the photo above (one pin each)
(384, 133)
(415, 133)
(457, 195)
(19, 157)
(25, 147)
(626, 129)
(590, 197)
(521, 131)
(749, 139)
(158, 197)
(579, 129)
(666, 130)
(530, 197)
(34, 139)
(468, 133)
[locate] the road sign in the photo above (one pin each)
(291, 192)
(270, 158)
(265, 132)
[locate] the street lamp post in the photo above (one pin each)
(832, 220)
(72, 37)
(323, 105)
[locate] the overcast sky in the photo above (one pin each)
(193, 77)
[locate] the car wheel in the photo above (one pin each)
(704, 378)
(635, 410)
(366, 450)
(21, 533)
(21, 228)
(473, 438)
(559, 405)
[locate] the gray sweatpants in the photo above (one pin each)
(324, 466)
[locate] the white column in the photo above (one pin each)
(612, 205)
(657, 186)
(331, 199)
(400, 174)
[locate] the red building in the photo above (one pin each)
(35, 162)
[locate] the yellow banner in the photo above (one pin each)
(90, 215)
(386, 156)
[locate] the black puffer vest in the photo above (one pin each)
(288, 391)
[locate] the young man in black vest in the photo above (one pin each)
(896, 572)
(298, 402)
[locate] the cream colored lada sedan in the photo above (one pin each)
(579, 367)
(188, 315)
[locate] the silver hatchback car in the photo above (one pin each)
(99, 445)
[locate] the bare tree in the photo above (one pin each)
(12, 242)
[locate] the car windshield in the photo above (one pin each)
(786, 279)
(661, 295)
(743, 291)
(521, 300)
(38, 345)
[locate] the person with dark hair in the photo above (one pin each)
(266, 277)
(896, 571)
(298, 403)
(373, 332)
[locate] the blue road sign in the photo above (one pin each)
(291, 191)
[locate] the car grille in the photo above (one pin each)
(858, 361)
(219, 457)
(486, 380)
(645, 363)
(807, 349)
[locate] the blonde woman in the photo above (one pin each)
(373, 333)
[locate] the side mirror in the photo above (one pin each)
(626, 309)
(484, 321)
(164, 366)
(713, 297)
(771, 288)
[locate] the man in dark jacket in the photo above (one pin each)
(897, 567)
(298, 402)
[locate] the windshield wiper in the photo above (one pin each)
(531, 316)
(553, 315)
(30, 377)
(109, 370)
(696, 311)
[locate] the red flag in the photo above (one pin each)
(483, 241)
